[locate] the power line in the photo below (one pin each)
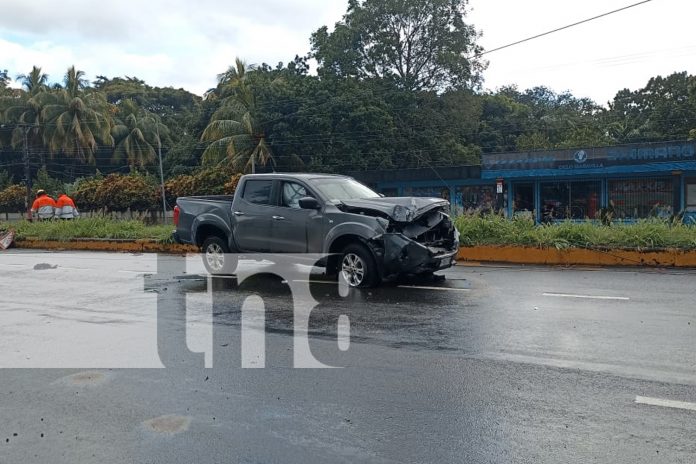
(562, 28)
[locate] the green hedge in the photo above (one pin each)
(648, 234)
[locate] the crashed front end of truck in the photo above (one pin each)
(414, 235)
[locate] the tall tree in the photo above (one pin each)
(34, 82)
(234, 133)
(76, 119)
(23, 113)
(4, 81)
(137, 136)
(663, 110)
(420, 44)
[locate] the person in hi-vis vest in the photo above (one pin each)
(65, 207)
(44, 206)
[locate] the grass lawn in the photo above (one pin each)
(475, 230)
(89, 228)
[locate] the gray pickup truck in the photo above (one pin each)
(365, 237)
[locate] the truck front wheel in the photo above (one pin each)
(217, 258)
(357, 267)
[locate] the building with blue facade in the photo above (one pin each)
(629, 181)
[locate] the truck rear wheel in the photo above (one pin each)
(357, 267)
(217, 258)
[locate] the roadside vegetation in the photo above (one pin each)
(397, 85)
(643, 235)
(95, 228)
(474, 230)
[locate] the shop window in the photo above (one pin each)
(690, 213)
(641, 198)
(524, 200)
(570, 200)
(691, 194)
(475, 199)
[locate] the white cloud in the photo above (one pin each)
(166, 43)
(186, 44)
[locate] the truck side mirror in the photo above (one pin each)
(309, 203)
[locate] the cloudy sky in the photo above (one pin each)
(185, 44)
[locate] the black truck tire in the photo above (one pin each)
(217, 258)
(358, 267)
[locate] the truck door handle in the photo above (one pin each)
(279, 218)
(238, 213)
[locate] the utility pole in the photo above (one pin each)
(159, 151)
(27, 172)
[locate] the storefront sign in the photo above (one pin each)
(591, 157)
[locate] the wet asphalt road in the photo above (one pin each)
(495, 364)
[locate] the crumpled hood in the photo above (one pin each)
(400, 209)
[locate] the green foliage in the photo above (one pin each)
(210, 181)
(87, 194)
(234, 134)
(45, 182)
(133, 192)
(12, 199)
(648, 234)
(363, 111)
(4, 81)
(662, 110)
(90, 228)
(179, 186)
(231, 185)
(5, 180)
(117, 192)
(138, 135)
(76, 121)
(418, 44)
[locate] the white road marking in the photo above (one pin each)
(12, 265)
(75, 268)
(436, 288)
(665, 403)
(134, 272)
(331, 282)
(589, 297)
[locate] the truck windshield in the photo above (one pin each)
(343, 189)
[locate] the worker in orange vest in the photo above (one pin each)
(44, 206)
(65, 207)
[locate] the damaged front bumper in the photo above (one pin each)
(400, 255)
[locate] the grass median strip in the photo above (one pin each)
(642, 235)
(89, 228)
(475, 231)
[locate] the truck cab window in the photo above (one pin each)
(291, 194)
(258, 191)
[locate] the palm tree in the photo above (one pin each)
(137, 135)
(234, 132)
(4, 81)
(76, 119)
(229, 80)
(24, 112)
(34, 82)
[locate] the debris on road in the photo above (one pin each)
(6, 239)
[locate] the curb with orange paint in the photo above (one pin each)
(476, 254)
(577, 256)
(127, 246)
